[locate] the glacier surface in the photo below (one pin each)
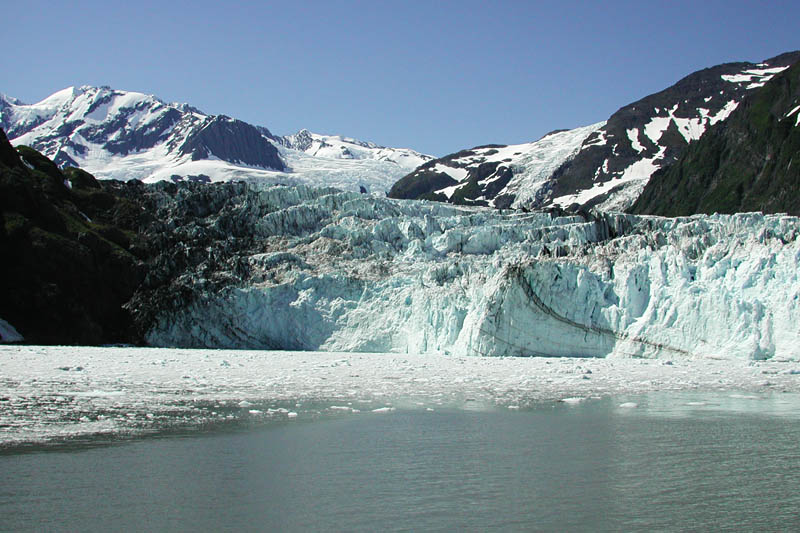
(338, 271)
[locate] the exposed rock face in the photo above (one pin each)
(232, 140)
(605, 165)
(747, 163)
(69, 253)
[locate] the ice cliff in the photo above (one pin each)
(319, 269)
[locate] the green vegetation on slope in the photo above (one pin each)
(746, 163)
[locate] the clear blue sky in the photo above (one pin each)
(436, 76)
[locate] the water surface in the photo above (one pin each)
(674, 461)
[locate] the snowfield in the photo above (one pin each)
(52, 394)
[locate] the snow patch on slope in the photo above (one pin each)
(691, 128)
(637, 174)
(633, 136)
(754, 76)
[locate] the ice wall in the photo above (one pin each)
(339, 271)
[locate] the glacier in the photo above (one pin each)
(338, 271)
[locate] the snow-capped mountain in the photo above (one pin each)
(129, 135)
(496, 175)
(606, 164)
(338, 147)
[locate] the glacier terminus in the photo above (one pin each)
(321, 269)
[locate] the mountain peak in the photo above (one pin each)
(131, 135)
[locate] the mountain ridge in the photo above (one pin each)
(129, 135)
(610, 165)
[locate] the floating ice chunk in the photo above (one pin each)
(629, 405)
(96, 393)
(572, 401)
(383, 410)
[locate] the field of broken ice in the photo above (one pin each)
(60, 394)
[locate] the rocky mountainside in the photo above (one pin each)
(605, 165)
(746, 163)
(70, 125)
(497, 175)
(70, 254)
(127, 135)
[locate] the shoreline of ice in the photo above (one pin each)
(59, 393)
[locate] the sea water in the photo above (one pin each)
(658, 461)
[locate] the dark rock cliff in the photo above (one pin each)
(68, 250)
(232, 140)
